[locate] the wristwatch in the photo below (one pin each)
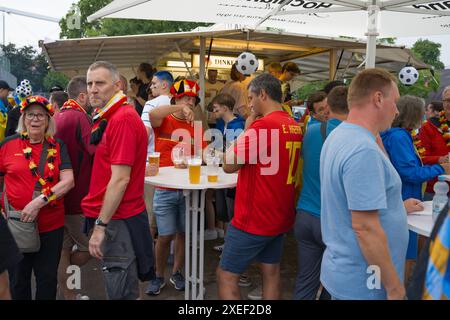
(100, 223)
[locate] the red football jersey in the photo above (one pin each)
(20, 183)
(123, 143)
(270, 151)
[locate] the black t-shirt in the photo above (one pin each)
(9, 253)
(13, 121)
(142, 94)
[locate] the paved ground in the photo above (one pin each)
(92, 281)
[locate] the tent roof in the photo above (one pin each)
(75, 55)
(397, 17)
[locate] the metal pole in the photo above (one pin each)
(184, 60)
(188, 241)
(4, 28)
(201, 73)
(373, 12)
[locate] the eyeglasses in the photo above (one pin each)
(446, 101)
(31, 116)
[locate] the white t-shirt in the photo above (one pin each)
(159, 101)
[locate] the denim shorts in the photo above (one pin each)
(169, 208)
(242, 248)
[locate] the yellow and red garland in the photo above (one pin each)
(444, 128)
(417, 143)
(51, 155)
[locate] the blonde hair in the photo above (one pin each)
(367, 82)
(49, 131)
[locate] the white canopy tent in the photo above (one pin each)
(349, 18)
(319, 58)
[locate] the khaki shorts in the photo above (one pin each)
(73, 233)
(149, 192)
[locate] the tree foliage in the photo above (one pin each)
(426, 84)
(26, 63)
(115, 27)
(429, 52)
(55, 78)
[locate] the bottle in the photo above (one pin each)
(440, 198)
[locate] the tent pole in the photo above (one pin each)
(184, 60)
(372, 33)
(201, 73)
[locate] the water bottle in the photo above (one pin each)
(440, 198)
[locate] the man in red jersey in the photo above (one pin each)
(74, 129)
(266, 155)
(115, 206)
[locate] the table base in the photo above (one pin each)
(194, 268)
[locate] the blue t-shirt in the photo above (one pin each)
(309, 200)
(356, 175)
(231, 130)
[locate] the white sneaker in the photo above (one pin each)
(81, 297)
(210, 234)
(244, 281)
(220, 233)
(255, 294)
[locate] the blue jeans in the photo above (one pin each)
(169, 208)
(310, 248)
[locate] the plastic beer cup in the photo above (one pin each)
(153, 159)
(194, 165)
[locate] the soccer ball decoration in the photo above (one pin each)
(28, 91)
(247, 63)
(25, 83)
(408, 75)
(19, 90)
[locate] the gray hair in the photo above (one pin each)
(446, 89)
(267, 82)
(108, 66)
(76, 86)
(411, 110)
(49, 131)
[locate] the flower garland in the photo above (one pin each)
(444, 128)
(417, 143)
(51, 153)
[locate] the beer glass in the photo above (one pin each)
(194, 165)
(153, 159)
(212, 169)
(178, 157)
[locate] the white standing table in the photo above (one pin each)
(422, 223)
(171, 177)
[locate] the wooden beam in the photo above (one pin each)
(332, 63)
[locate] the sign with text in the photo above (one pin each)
(220, 62)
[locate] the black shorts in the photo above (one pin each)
(9, 253)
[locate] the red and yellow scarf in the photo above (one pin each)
(72, 104)
(102, 115)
